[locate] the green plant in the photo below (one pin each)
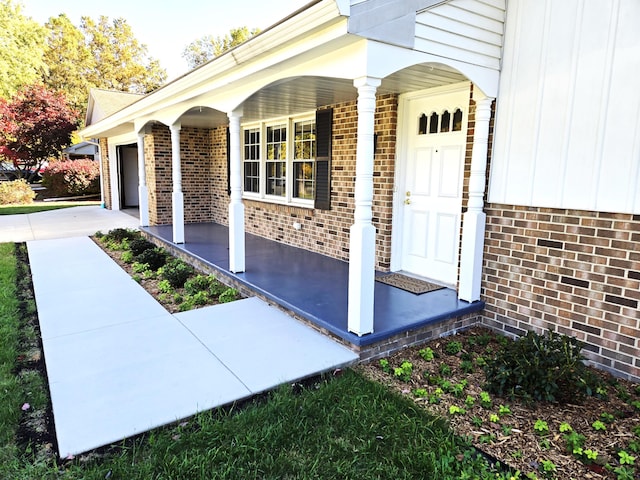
(624, 473)
(541, 427)
(506, 430)
(199, 283)
(469, 401)
(485, 399)
(574, 441)
(139, 245)
(504, 410)
(455, 410)
(453, 347)
(426, 354)
(494, 418)
(165, 287)
(229, 295)
(625, 458)
(565, 427)
(466, 366)
(200, 298)
(176, 272)
(420, 392)
(445, 370)
(384, 365)
(545, 367)
(607, 417)
(458, 389)
(404, 371)
(476, 421)
(138, 267)
(599, 426)
(127, 257)
(548, 466)
(154, 257)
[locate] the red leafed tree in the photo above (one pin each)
(35, 125)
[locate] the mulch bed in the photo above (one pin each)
(513, 440)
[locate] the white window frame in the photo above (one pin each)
(288, 198)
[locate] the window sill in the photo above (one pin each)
(291, 208)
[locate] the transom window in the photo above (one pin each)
(440, 122)
(277, 167)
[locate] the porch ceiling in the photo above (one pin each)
(295, 95)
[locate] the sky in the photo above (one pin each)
(168, 26)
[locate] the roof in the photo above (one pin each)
(104, 103)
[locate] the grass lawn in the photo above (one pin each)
(343, 426)
(41, 207)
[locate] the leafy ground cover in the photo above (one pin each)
(338, 426)
(589, 437)
(171, 281)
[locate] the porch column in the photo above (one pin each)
(177, 197)
(236, 207)
(362, 243)
(143, 191)
(474, 218)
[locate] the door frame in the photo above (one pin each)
(402, 147)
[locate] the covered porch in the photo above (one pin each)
(314, 288)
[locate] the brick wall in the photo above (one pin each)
(327, 231)
(575, 272)
(106, 172)
(157, 153)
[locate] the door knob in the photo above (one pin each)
(408, 194)
(407, 202)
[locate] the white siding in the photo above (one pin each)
(568, 122)
(465, 30)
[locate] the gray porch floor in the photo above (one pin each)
(314, 286)
(119, 364)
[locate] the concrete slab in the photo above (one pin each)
(119, 364)
(62, 223)
(262, 345)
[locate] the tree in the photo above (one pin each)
(208, 47)
(120, 61)
(69, 61)
(22, 44)
(35, 125)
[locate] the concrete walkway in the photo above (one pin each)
(65, 222)
(119, 364)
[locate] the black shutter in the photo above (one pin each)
(324, 122)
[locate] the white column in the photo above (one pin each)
(474, 218)
(177, 197)
(236, 207)
(362, 237)
(143, 191)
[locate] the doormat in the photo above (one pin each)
(410, 284)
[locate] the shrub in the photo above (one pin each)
(155, 258)
(139, 245)
(176, 272)
(16, 192)
(72, 177)
(199, 283)
(120, 234)
(540, 367)
(229, 295)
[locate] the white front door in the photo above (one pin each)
(430, 190)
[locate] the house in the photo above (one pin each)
(490, 146)
(81, 150)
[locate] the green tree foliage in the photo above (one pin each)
(120, 61)
(208, 47)
(22, 43)
(69, 61)
(35, 125)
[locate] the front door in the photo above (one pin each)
(435, 129)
